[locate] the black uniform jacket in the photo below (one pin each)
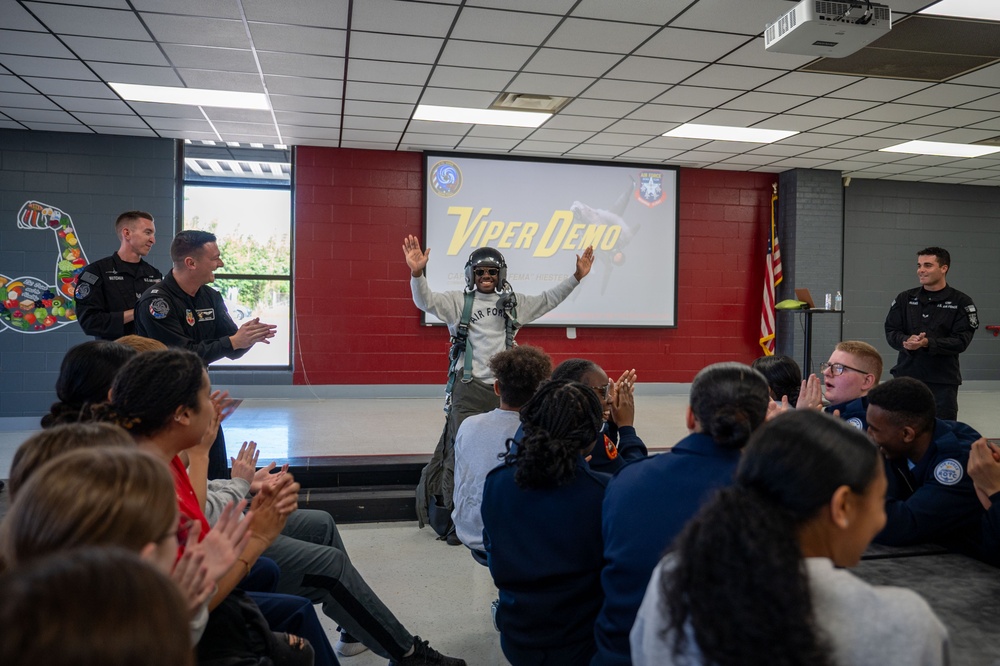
(106, 289)
(200, 323)
(949, 319)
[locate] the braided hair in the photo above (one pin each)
(561, 420)
(739, 580)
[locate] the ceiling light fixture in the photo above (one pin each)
(724, 133)
(191, 96)
(974, 9)
(940, 148)
(457, 114)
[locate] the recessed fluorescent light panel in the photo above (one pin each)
(941, 149)
(974, 9)
(191, 96)
(724, 133)
(457, 114)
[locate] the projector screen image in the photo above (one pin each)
(541, 214)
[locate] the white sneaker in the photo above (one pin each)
(348, 646)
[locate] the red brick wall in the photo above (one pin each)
(356, 323)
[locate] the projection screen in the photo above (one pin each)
(542, 213)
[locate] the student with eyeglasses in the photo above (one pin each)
(494, 317)
(854, 368)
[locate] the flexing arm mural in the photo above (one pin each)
(28, 304)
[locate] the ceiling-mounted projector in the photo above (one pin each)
(823, 28)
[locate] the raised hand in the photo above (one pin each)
(264, 476)
(191, 576)
(984, 470)
(416, 258)
(811, 394)
(244, 465)
(252, 332)
(584, 263)
(224, 542)
(272, 506)
(623, 401)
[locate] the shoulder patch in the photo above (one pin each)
(89, 277)
(82, 290)
(159, 308)
(856, 422)
(970, 311)
(948, 472)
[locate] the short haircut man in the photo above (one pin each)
(853, 369)
(482, 438)
(929, 498)
(189, 243)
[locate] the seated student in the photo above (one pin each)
(930, 497)
(853, 369)
(542, 530)
(619, 443)
(481, 439)
(984, 469)
(784, 378)
(649, 501)
(92, 606)
(756, 577)
(165, 397)
(85, 377)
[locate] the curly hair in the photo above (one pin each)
(519, 371)
(561, 420)
(739, 579)
(51, 442)
(150, 388)
(783, 376)
(85, 377)
(729, 401)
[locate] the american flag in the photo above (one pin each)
(772, 278)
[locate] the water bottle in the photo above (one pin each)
(838, 302)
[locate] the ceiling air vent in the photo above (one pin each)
(511, 101)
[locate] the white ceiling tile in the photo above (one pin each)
(382, 92)
(630, 91)
(816, 140)
(732, 118)
(151, 110)
(485, 55)
(868, 143)
(308, 104)
(955, 117)
(752, 159)
(895, 112)
(752, 54)
(377, 46)
(502, 27)
(117, 50)
(404, 18)
(293, 85)
(386, 109)
(298, 39)
(561, 136)
(827, 106)
(748, 18)
(600, 36)
(695, 96)
(197, 30)
(10, 83)
(47, 67)
(216, 9)
(429, 140)
(573, 63)
(73, 88)
(654, 12)
(493, 80)
(807, 83)
(180, 124)
(497, 132)
(6, 123)
(666, 113)
(590, 150)
(124, 131)
(550, 147)
(987, 76)
(188, 134)
(314, 133)
(256, 129)
(92, 105)
(836, 153)
(32, 44)
(908, 132)
(644, 153)
(947, 95)
(548, 7)
(770, 102)
(474, 99)
(654, 70)
(209, 80)
(646, 128)
(90, 21)
(852, 127)
(963, 135)
(617, 139)
(319, 13)
(781, 150)
(879, 89)
(430, 127)
(312, 119)
(14, 17)
(294, 64)
(800, 163)
(732, 77)
(142, 74)
(58, 127)
(387, 72)
(672, 143)
(26, 101)
(544, 84)
(239, 115)
(29, 116)
(110, 120)
(993, 124)
(794, 123)
(578, 123)
(487, 143)
(369, 135)
(599, 108)
(673, 42)
(991, 103)
(200, 57)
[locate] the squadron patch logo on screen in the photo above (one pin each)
(446, 178)
(650, 191)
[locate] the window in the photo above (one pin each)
(243, 196)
